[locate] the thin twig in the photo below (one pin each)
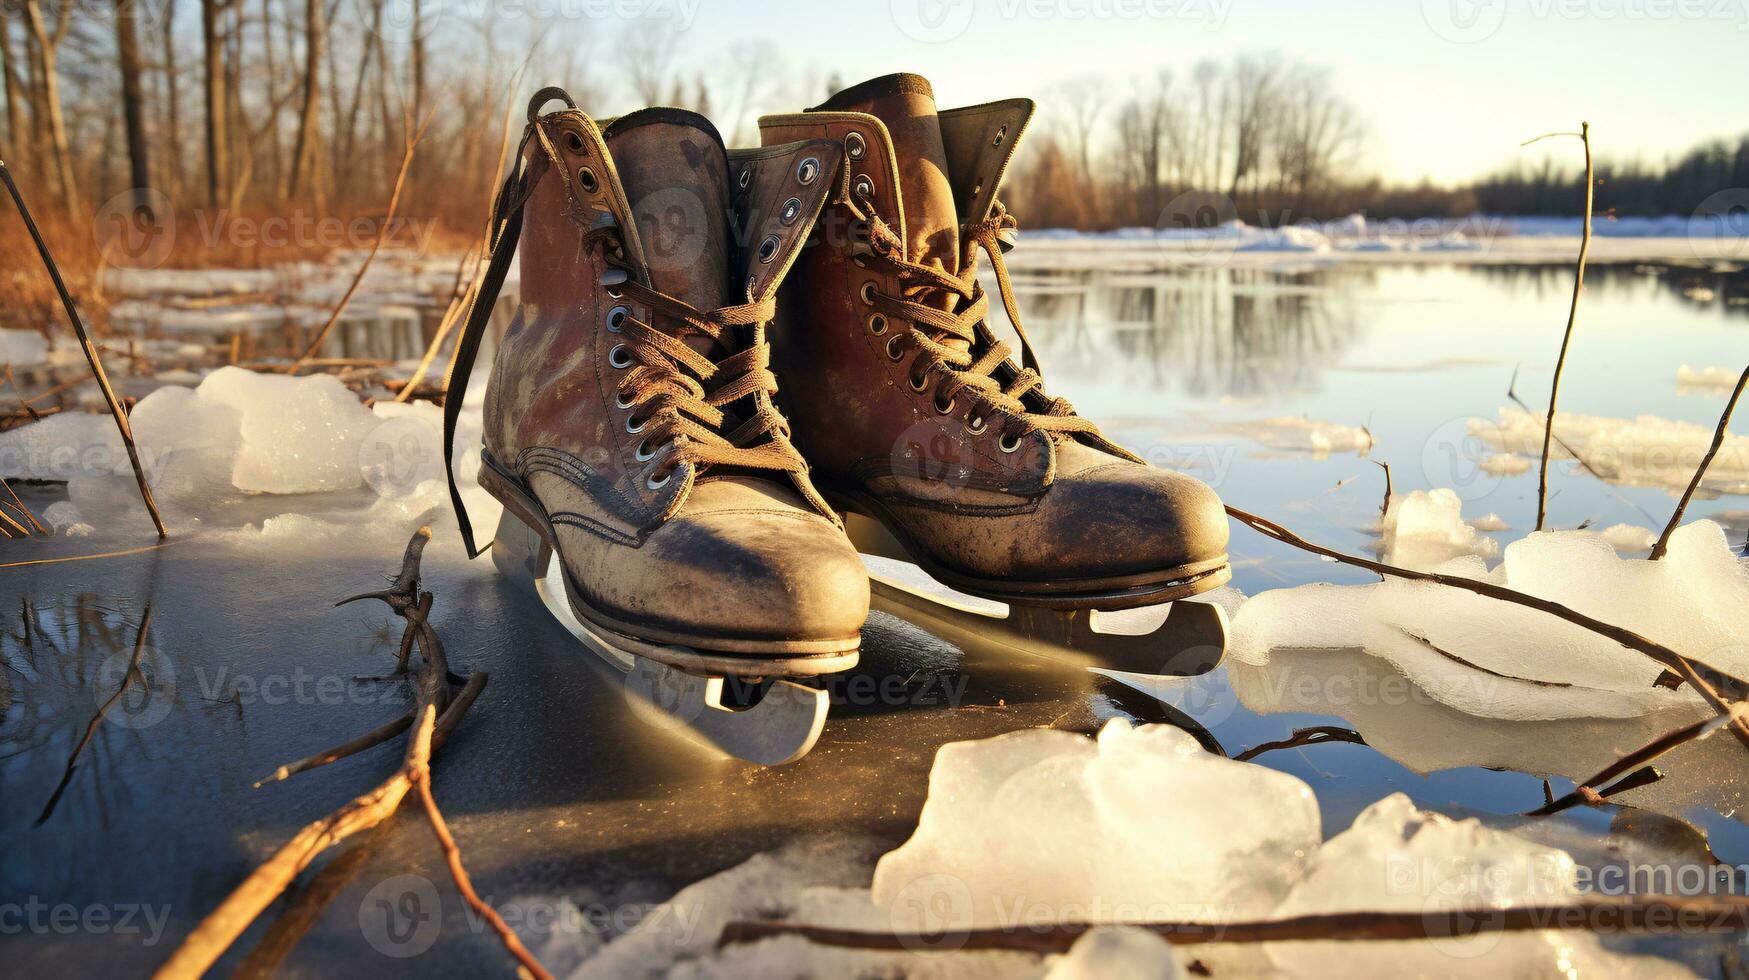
(436, 713)
(1542, 480)
(1661, 914)
(1700, 471)
(106, 554)
(453, 855)
(1315, 735)
(31, 517)
(116, 411)
(1385, 505)
(1627, 638)
(127, 681)
(1639, 757)
(376, 246)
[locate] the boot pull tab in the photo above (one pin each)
(546, 95)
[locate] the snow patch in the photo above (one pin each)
(22, 348)
(1708, 380)
(1647, 451)
(1425, 528)
(1499, 660)
(1305, 435)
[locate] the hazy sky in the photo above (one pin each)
(1449, 87)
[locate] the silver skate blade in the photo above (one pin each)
(781, 727)
(1182, 638)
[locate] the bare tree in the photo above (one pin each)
(309, 120)
(127, 46)
(218, 161)
(648, 51)
(47, 44)
(17, 125)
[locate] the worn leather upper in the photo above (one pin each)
(1045, 505)
(721, 550)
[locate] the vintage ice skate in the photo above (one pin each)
(651, 494)
(945, 452)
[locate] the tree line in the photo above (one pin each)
(240, 106)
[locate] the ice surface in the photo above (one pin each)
(1117, 953)
(1707, 380)
(1426, 528)
(1505, 464)
(1630, 537)
(1143, 823)
(1038, 826)
(1306, 435)
(1646, 451)
(1502, 660)
(22, 348)
(1396, 857)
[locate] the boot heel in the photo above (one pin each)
(519, 551)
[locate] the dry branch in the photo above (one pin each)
(434, 715)
(376, 246)
(116, 411)
(1700, 471)
(1542, 479)
(1701, 677)
(1599, 785)
(1663, 914)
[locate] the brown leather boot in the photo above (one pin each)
(911, 411)
(629, 418)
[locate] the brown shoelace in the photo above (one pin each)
(962, 369)
(682, 394)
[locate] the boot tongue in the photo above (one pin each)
(675, 174)
(906, 105)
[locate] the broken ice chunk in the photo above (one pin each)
(1043, 826)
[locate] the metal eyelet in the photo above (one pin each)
(768, 248)
(944, 409)
(644, 453)
(616, 318)
(855, 145)
(1001, 131)
(977, 188)
(746, 177)
(877, 324)
(919, 383)
(752, 285)
(574, 142)
(867, 293)
(975, 425)
(586, 178)
(807, 170)
(862, 186)
(635, 429)
(655, 484)
(1008, 443)
(613, 293)
(619, 357)
(792, 209)
(620, 399)
(894, 351)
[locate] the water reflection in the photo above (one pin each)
(1206, 332)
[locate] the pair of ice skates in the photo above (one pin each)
(675, 292)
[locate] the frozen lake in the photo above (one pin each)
(554, 789)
